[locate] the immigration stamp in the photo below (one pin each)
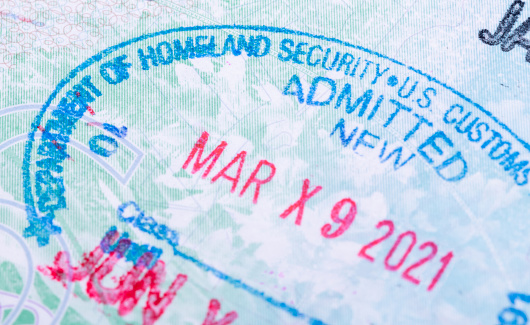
(230, 173)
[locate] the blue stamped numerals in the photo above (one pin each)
(512, 315)
(104, 145)
(114, 72)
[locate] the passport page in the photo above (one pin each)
(264, 162)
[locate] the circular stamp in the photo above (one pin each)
(257, 159)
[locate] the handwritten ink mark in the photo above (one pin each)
(503, 34)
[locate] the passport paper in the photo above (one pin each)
(252, 162)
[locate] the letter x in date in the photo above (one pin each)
(268, 167)
(307, 193)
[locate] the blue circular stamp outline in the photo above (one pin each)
(28, 197)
